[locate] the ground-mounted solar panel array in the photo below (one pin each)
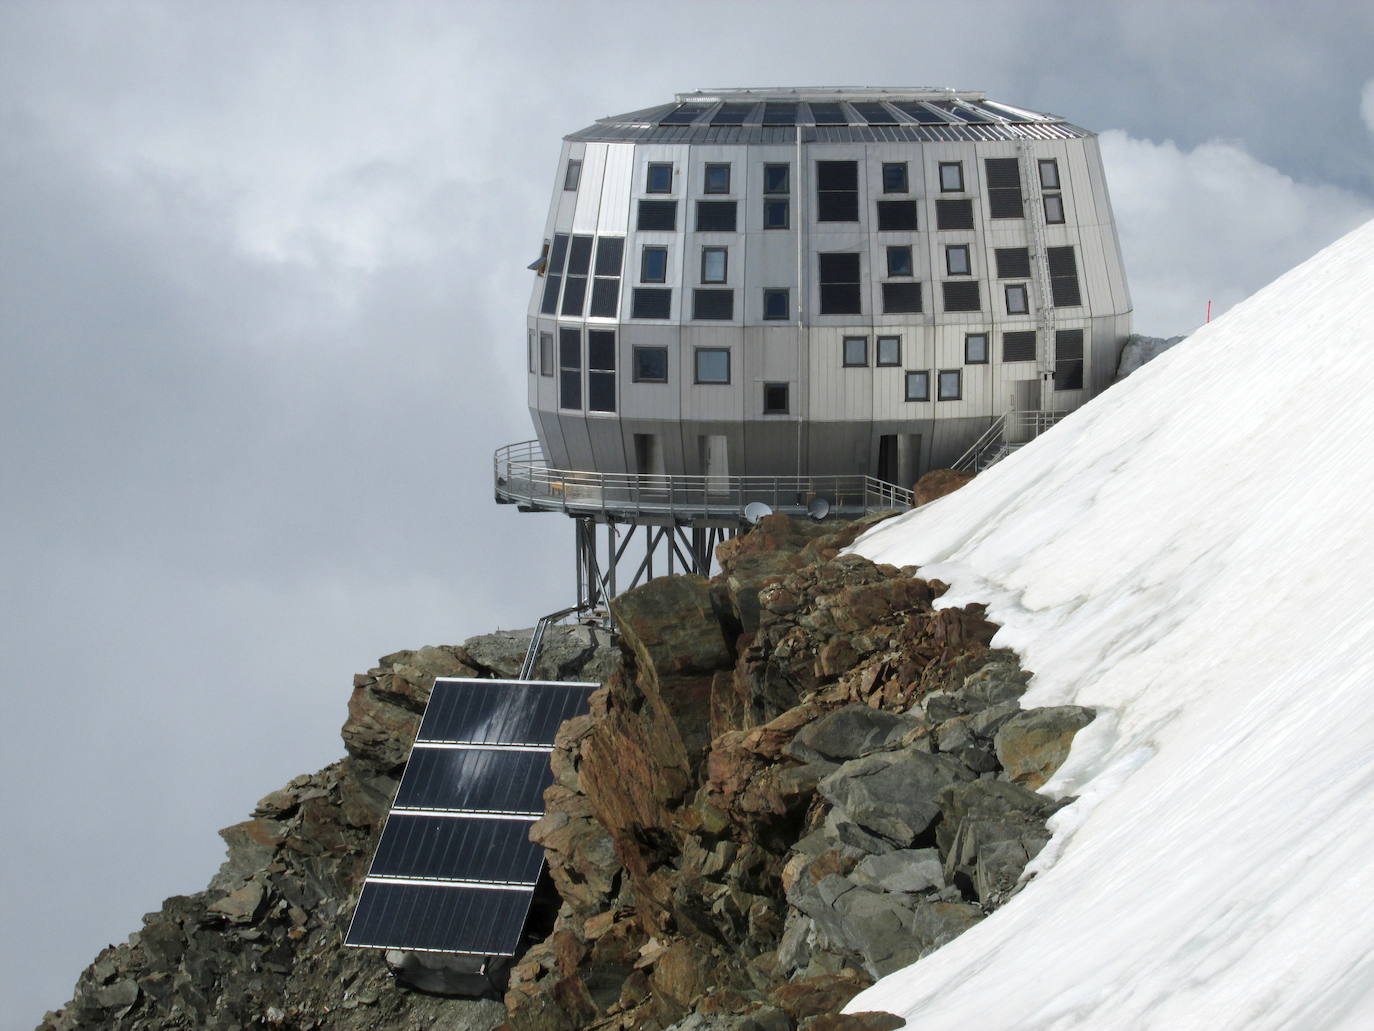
(455, 870)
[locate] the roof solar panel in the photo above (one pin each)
(780, 113)
(874, 113)
(918, 111)
(828, 114)
(731, 114)
(440, 918)
(499, 712)
(685, 113)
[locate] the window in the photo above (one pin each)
(951, 384)
(1068, 359)
(653, 265)
(1004, 187)
(1054, 208)
(534, 353)
(954, 214)
(659, 178)
(569, 368)
(610, 253)
(951, 177)
(896, 214)
(776, 304)
(1012, 262)
(961, 295)
(579, 264)
(714, 264)
(554, 276)
(957, 260)
(717, 179)
(775, 213)
(776, 179)
(1018, 346)
(889, 350)
(839, 283)
(975, 348)
(1063, 277)
(837, 191)
(716, 216)
(1017, 302)
(600, 370)
(901, 298)
(657, 214)
(573, 175)
(1049, 174)
(894, 177)
(713, 304)
(546, 354)
(918, 386)
(775, 399)
(712, 364)
(649, 303)
(650, 364)
(899, 261)
(855, 351)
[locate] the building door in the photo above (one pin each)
(887, 458)
(648, 455)
(715, 463)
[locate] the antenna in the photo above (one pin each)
(818, 509)
(756, 510)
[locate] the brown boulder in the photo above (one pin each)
(937, 483)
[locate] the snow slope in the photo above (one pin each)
(1193, 554)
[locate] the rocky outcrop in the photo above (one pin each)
(936, 484)
(1139, 350)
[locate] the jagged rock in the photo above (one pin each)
(672, 626)
(1033, 744)
(242, 905)
(850, 732)
(1138, 350)
(936, 484)
(893, 794)
(990, 830)
(573, 652)
(903, 870)
(870, 1020)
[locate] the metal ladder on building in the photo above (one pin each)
(1044, 297)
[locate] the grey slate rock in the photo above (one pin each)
(1034, 743)
(903, 870)
(850, 732)
(893, 794)
(990, 830)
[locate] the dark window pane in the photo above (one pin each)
(653, 265)
(573, 175)
(605, 298)
(574, 294)
(954, 214)
(1013, 262)
(896, 214)
(1004, 187)
(894, 177)
(889, 350)
(1068, 359)
(610, 252)
(651, 304)
(651, 364)
(775, 213)
(918, 386)
(1063, 277)
(899, 298)
(837, 191)
(659, 178)
(775, 178)
(580, 257)
(713, 304)
(559, 252)
(601, 391)
(837, 207)
(717, 179)
(716, 216)
(775, 304)
(657, 214)
(837, 175)
(841, 299)
(961, 295)
(1018, 346)
(549, 304)
(899, 261)
(775, 399)
(839, 268)
(601, 350)
(569, 389)
(570, 348)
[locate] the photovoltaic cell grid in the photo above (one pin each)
(455, 870)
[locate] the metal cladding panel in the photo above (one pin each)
(500, 712)
(475, 780)
(439, 918)
(616, 188)
(458, 849)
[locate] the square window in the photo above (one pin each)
(1018, 346)
(951, 386)
(716, 216)
(889, 350)
(546, 354)
(775, 214)
(855, 351)
(954, 214)
(1012, 262)
(951, 176)
(957, 260)
(961, 295)
(712, 364)
(1017, 302)
(1054, 208)
(896, 214)
(918, 386)
(975, 348)
(717, 179)
(899, 261)
(1049, 174)
(775, 304)
(657, 214)
(901, 298)
(775, 399)
(714, 264)
(713, 304)
(894, 177)
(651, 365)
(573, 175)
(653, 265)
(650, 303)
(776, 178)
(659, 178)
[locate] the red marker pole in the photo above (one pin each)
(1209, 310)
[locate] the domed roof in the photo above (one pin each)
(824, 114)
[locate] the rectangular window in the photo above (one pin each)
(918, 386)
(975, 348)
(651, 365)
(837, 191)
(1004, 187)
(717, 179)
(776, 213)
(957, 260)
(600, 370)
(896, 214)
(554, 275)
(712, 364)
(1054, 208)
(776, 305)
(717, 305)
(574, 295)
(1017, 301)
(658, 177)
(1018, 346)
(1063, 277)
(657, 214)
(954, 214)
(716, 216)
(839, 284)
(546, 354)
(951, 384)
(951, 177)
(534, 353)
(899, 261)
(573, 175)
(889, 350)
(776, 179)
(855, 352)
(653, 265)
(649, 303)
(961, 295)
(569, 368)
(714, 264)
(1049, 174)
(901, 298)
(579, 264)
(894, 177)
(1068, 359)
(775, 399)
(1012, 262)
(610, 255)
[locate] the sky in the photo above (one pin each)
(262, 295)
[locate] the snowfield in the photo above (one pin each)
(1192, 554)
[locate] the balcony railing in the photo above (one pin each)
(522, 477)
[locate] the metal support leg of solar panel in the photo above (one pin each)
(451, 885)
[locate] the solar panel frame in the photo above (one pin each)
(490, 712)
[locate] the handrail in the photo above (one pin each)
(1003, 436)
(537, 640)
(968, 461)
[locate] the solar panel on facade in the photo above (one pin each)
(458, 848)
(440, 918)
(498, 712)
